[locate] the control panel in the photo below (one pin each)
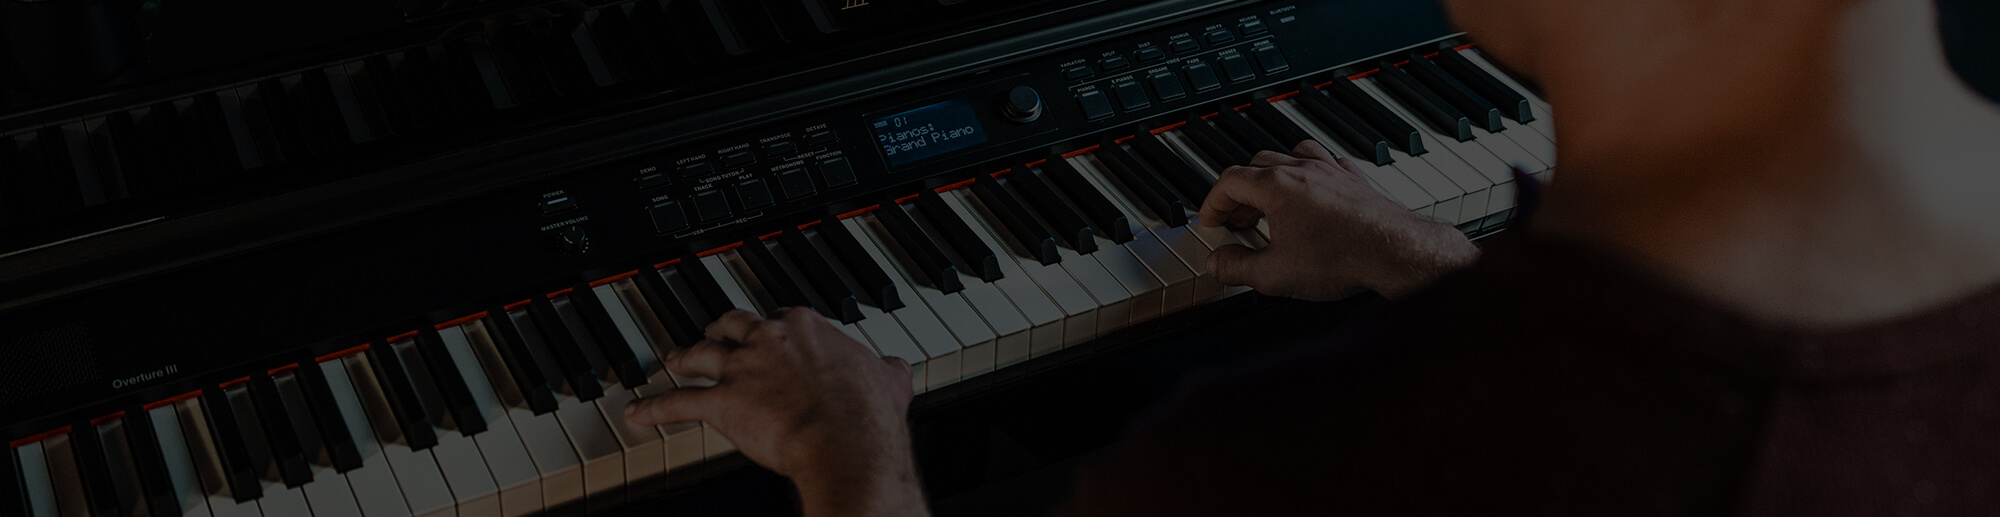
(690, 197)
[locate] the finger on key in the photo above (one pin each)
(1239, 187)
(681, 405)
(733, 327)
(703, 360)
(1238, 265)
(1312, 150)
(1275, 159)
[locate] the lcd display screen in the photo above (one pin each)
(928, 131)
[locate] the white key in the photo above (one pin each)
(951, 310)
(683, 441)
(938, 344)
(555, 458)
(1174, 280)
(1477, 156)
(506, 457)
(40, 490)
(374, 484)
(885, 331)
(179, 464)
(208, 463)
(1412, 191)
(734, 290)
(457, 455)
(1479, 189)
(118, 462)
(424, 486)
(328, 493)
(1012, 332)
(277, 499)
(1064, 314)
(602, 456)
(1452, 197)
(645, 452)
(1142, 290)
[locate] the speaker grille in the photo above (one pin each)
(38, 364)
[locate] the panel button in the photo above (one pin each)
(781, 149)
(738, 159)
(668, 217)
(820, 138)
(838, 172)
(652, 181)
(796, 184)
(1237, 68)
(1150, 54)
(1132, 96)
(1167, 85)
(1076, 72)
(558, 205)
(1183, 46)
(1218, 37)
(1095, 105)
(1203, 77)
(1272, 59)
(1251, 28)
(1113, 63)
(755, 195)
(695, 169)
(711, 205)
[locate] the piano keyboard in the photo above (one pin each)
(518, 410)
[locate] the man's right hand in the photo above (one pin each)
(1331, 233)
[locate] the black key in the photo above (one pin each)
(1232, 123)
(650, 37)
(451, 384)
(13, 489)
(1155, 195)
(1266, 117)
(1219, 148)
(1098, 208)
(249, 120)
(359, 106)
(535, 387)
(95, 470)
(874, 281)
(610, 342)
(1068, 226)
(412, 77)
(681, 325)
(374, 78)
(326, 417)
(593, 48)
(706, 289)
(237, 467)
(138, 148)
(1508, 101)
(155, 483)
(314, 112)
(1400, 134)
(1480, 112)
(1192, 185)
(840, 301)
(576, 367)
(402, 396)
(462, 90)
(931, 262)
(1027, 232)
(497, 75)
(1347, 127)
(214, 134)
(1437, 112)
(971, 250)
(286, 449)
(91, 175)
(783, 290)
(38, 168)
(543, 71)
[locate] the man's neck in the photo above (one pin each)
(1847, 181)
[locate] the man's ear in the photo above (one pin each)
(1971, 33)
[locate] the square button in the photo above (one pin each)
(1237, 68)
(711, 205)
(1272, 59)
(1203, 77)
(1218, 37)
(796, 184)
(1095, 105)
(1150, 54)
(1132, 96)
(1113, 63)
(1183, 46)
(1167, 86)
(1076, 72)
(738, 159)
(837, 171)
(1251, 28)
(695, 169)
(668, 217)
(652, 181)
(822, 138)
(755, 195)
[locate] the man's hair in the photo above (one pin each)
(1972, 42)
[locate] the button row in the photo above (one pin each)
(1182, 46)
(751, 195)
(1166, 85)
